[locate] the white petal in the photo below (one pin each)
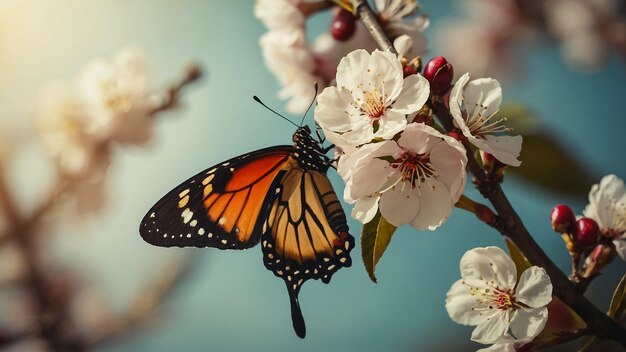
(483, 92)
(492, 328)
(365, 209)
(505, 148)
(415, 91)
(390, 124)
(528, 322)
(361, 133)
(456, 101)
(403, 45)
(348, 161)
(419, 138)
(371, 173)
(448, 159)
(435, 205)
(460, 305)
(399, 205)
(534, 288)
(607, 202)
(333, 110)
(486, 264)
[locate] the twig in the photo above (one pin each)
(509, 223)
(192, 73)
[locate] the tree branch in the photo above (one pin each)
(509, 223)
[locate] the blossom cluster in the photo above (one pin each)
(108, 102)
(298, 64)
(408, 170)
(496, 31)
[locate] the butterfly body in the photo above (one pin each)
(279, 196)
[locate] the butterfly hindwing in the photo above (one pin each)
(219, 207)
(306, 235)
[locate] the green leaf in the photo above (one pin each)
(375, 238)
(521, 263)
(618, 304)
(548, 165)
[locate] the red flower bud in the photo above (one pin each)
(562, 218)
(439, 72)
(586, 232)
(343, 25)
(456, 134)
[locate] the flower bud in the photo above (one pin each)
(456, 134)
(343, 25)
(586, 232)
(439, 72)
(413, 67)
(562, 218)
(599, 257)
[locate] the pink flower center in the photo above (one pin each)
(415, 168)
(494, 297)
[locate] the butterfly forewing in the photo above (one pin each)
(219, 207)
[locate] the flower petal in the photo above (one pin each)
(607, 202)
(528, 322)
(448, 159)
(620, 247)
(435, 205)
(460, 305)
(484, 94)
(456, 101)
(485, 264)
(371, 173)
(399, 205)
(499, 347)
(365, 209)
(534, 288)
(415, 91)
(504, 148)
(403, 45)
(333, 110)
(492, 328)
(390, 124)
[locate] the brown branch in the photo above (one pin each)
(509, 223)
(193, 72)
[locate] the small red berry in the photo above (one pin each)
(343, 25)
(562, 218)
(439, 72)
(456, 134)
(586, 232)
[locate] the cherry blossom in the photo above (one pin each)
(116, 93)
(489, 296)
(371, 99)
(473, 105)
(415, 180)
(607, 206)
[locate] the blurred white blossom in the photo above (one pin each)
(473, 105)
(371, 99)
(415, 180)
(607, 206)
(116, 95)
(298, 64)
(490, 296)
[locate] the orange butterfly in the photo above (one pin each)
(280, 196)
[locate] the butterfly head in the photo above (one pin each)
(308, 151)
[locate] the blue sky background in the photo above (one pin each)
(231, 302)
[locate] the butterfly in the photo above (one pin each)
(280, 196)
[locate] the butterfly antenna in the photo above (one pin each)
(309, 108)
(272, 110)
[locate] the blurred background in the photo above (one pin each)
(227, 300)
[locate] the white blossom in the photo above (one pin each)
(415, 180)
(473, 105)
(61, 121)
(607, 206)
(116, 94)
(490, 297)
(371, 99)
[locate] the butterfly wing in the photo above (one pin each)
(220, 206)
(305, 235)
